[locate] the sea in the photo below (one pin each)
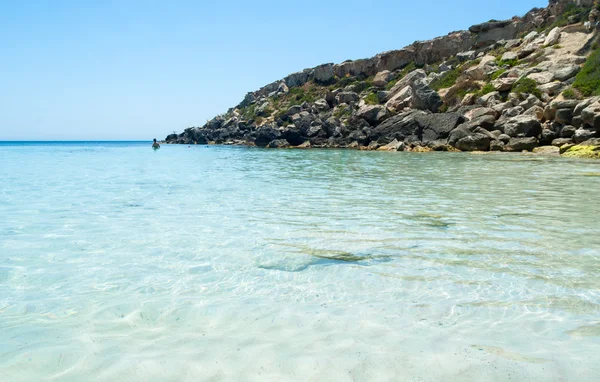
(220, 263)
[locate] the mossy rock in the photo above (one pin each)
(579, 151)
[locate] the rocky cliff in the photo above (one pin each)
(509, 85)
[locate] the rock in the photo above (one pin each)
(425, 98)
(316, 130)
(297, 79)
(400, 127)
(322, 105)
(466, 56)
(521, 144)
(546, 150)
(530, 102)
(551, 88)
(530, 37)
(394, 145)
(489, 99)
(564, 116)
(509, 56)
(479, 112)
(567, 131)
(523, 126)
(408, 80)
(324, 73)
(510, 44)
(552, 37)
(347, 98)
(547, 136)
(468, 99)
(294, 110)
(265, 135)
(504, 138)
(278, 144)
(535, 111)
(564, 72)
(591, 115)
(305, 145)
(474, 142)
(582, 135)
(564, 104)
(401, 99)
(582, 151)
(438, 126)
(504, 84)
(373, 146)
(373, 114)
(542, 77)
(496, 145)
(561, 142)
(382, 78)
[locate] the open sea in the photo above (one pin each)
(120, 263)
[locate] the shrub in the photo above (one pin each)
(488, 88)
(510, 63)
(372, 99)
(497, 74)
(458, 91)
(446, 80)
(588, 79)
(570, 93)
(526, 86)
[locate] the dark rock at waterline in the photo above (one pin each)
(265, 135)
(521, 144)
(474, 142)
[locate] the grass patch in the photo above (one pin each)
(497, 74)
(446, 80)
(570, 10)
(510, 63)
(571, 93)
(457, 92)
(588, 79)
(486, 89)
(372, 99)
(526, 86)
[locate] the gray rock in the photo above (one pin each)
(521, 144)
(474, 142)
(567, 132)
(551, 88)
(542, 77)
(322, 105)
(382, 78)
(466, 56)
(546, 150)
(582, 135)
(496, 145)
(438, 126)
(278, 144)
(523, 126)
(373, 114)
(564, 116)
(394, 145)
(294, 110)
(324, 73)
(558, 142)
(564, 72)
(552, 37)
(547, 136)
(509, 56)
(265, 135)
(425, 98)
(347, 97)
(591, 115)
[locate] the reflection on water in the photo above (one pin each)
(117, 262)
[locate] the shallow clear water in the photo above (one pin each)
(223, 263)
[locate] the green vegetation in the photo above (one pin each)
(372, 99)
(446, 80)
(302, 94)
(488, 88)
(571, 10)
(510, 63)
(571, 93)
(588, 79)
(526, 86)
(497, 74)
(578, 151)
(457, 92)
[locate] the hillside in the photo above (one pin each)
(509, 85)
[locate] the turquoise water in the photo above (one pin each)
(226, 263)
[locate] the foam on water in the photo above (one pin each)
(221, 263)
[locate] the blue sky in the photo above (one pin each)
(118, 70)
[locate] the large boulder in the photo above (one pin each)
(265, 135)
(373, 114)
(474, 142)
(582, 135)
(591, 115)
(523, 126)
(425, 98)
(400, 127)
(382, 78)
(408, 80)
(552, 37)
(438, 126)
(278, 144)
(401, 99)
(521, 144)
(347, 97)
(324, 73)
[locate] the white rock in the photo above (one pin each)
(552, 37)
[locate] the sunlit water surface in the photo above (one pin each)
(222, 263)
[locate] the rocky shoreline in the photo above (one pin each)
(531, 83)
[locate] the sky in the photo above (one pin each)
(137, 70)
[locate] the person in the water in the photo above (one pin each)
(155, 145)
